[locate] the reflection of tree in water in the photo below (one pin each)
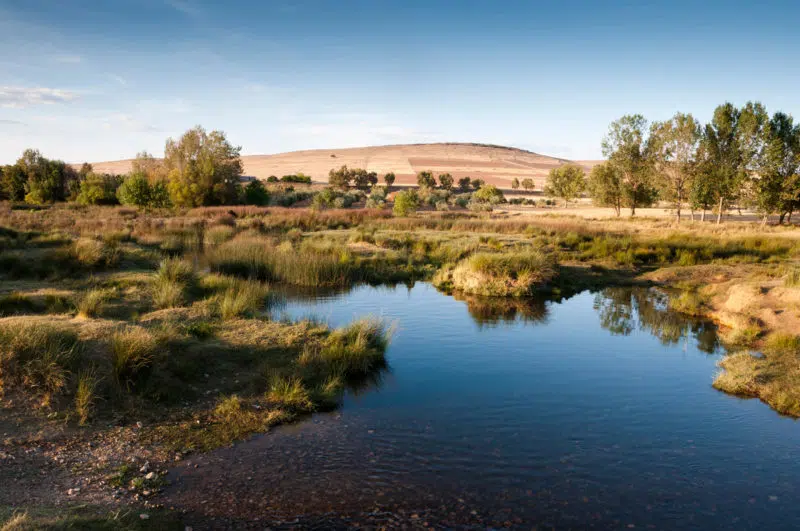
(623, 310)
(490, 311)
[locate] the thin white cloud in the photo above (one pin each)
(11, 122)
(21, 97)
(119, 79)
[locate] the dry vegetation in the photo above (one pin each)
(113, 316)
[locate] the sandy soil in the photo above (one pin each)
(495, 165)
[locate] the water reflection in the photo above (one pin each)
(623, 310)
(486, 311)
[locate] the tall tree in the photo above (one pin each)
(566, 182)
(446, 181)
(776, 185)
(425, 179)
(204, 168)
(625, 147)
(729, 151)
(673, 148)
(389, 178)
(605, 186)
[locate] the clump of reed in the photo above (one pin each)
(352, 351)
(173, 282)
(38, 356)
(510, 274)
(132, 353)
(92, 302)
(303, 266)
(243, 298)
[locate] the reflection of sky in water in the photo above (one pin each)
(596, 411)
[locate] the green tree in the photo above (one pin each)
(464, 183)
(488, 193)
(98, 189)
(204, 168)
(152, 168)
(255, 193)
(389, 178)
(729, 151)
(625, 147)
(477, 183)
(340, 178)
(425, 180)
(406, 202)
(776, 186)
(135, 190)
(528, 184)
(515, 184)
(605, 186)
(361, 178)
(446, 181)
(567, 182)
(673, 149)
(13, 182)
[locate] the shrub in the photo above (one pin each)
(488, 194)
(174, 279)
(255, 193)
(406, 202)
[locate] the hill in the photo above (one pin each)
(494, 164)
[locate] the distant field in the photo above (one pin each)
(495, 165)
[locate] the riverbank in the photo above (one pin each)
(134, 339)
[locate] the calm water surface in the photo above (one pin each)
(595, 412)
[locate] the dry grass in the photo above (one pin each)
(515, 274)
(773, 377)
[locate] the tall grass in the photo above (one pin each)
(243, 298)
(173, 282)
(38, 356)
(91, 303)
(290, 393)
(356, 349)
(132, 353)
(85, 396)
(515, 274)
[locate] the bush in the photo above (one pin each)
(243, 298)
(406, 202)
(255, 193)
(91, 303)
(488, 194)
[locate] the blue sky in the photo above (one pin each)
(104, 79)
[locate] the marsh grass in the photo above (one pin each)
(243, 298)
(512, 274)
(86, 396)
(92, 302)
(132, 352)
(290, 393)
(173, 283)
(38, 356)
(773, 377)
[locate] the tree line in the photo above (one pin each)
(743, 158)
(200, 168)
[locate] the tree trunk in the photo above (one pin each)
(678, 213)
(764, 220)
(691, 214)
(781, 218)
(719, 212)
(633, 209)
(789, 219)
(703, 216)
